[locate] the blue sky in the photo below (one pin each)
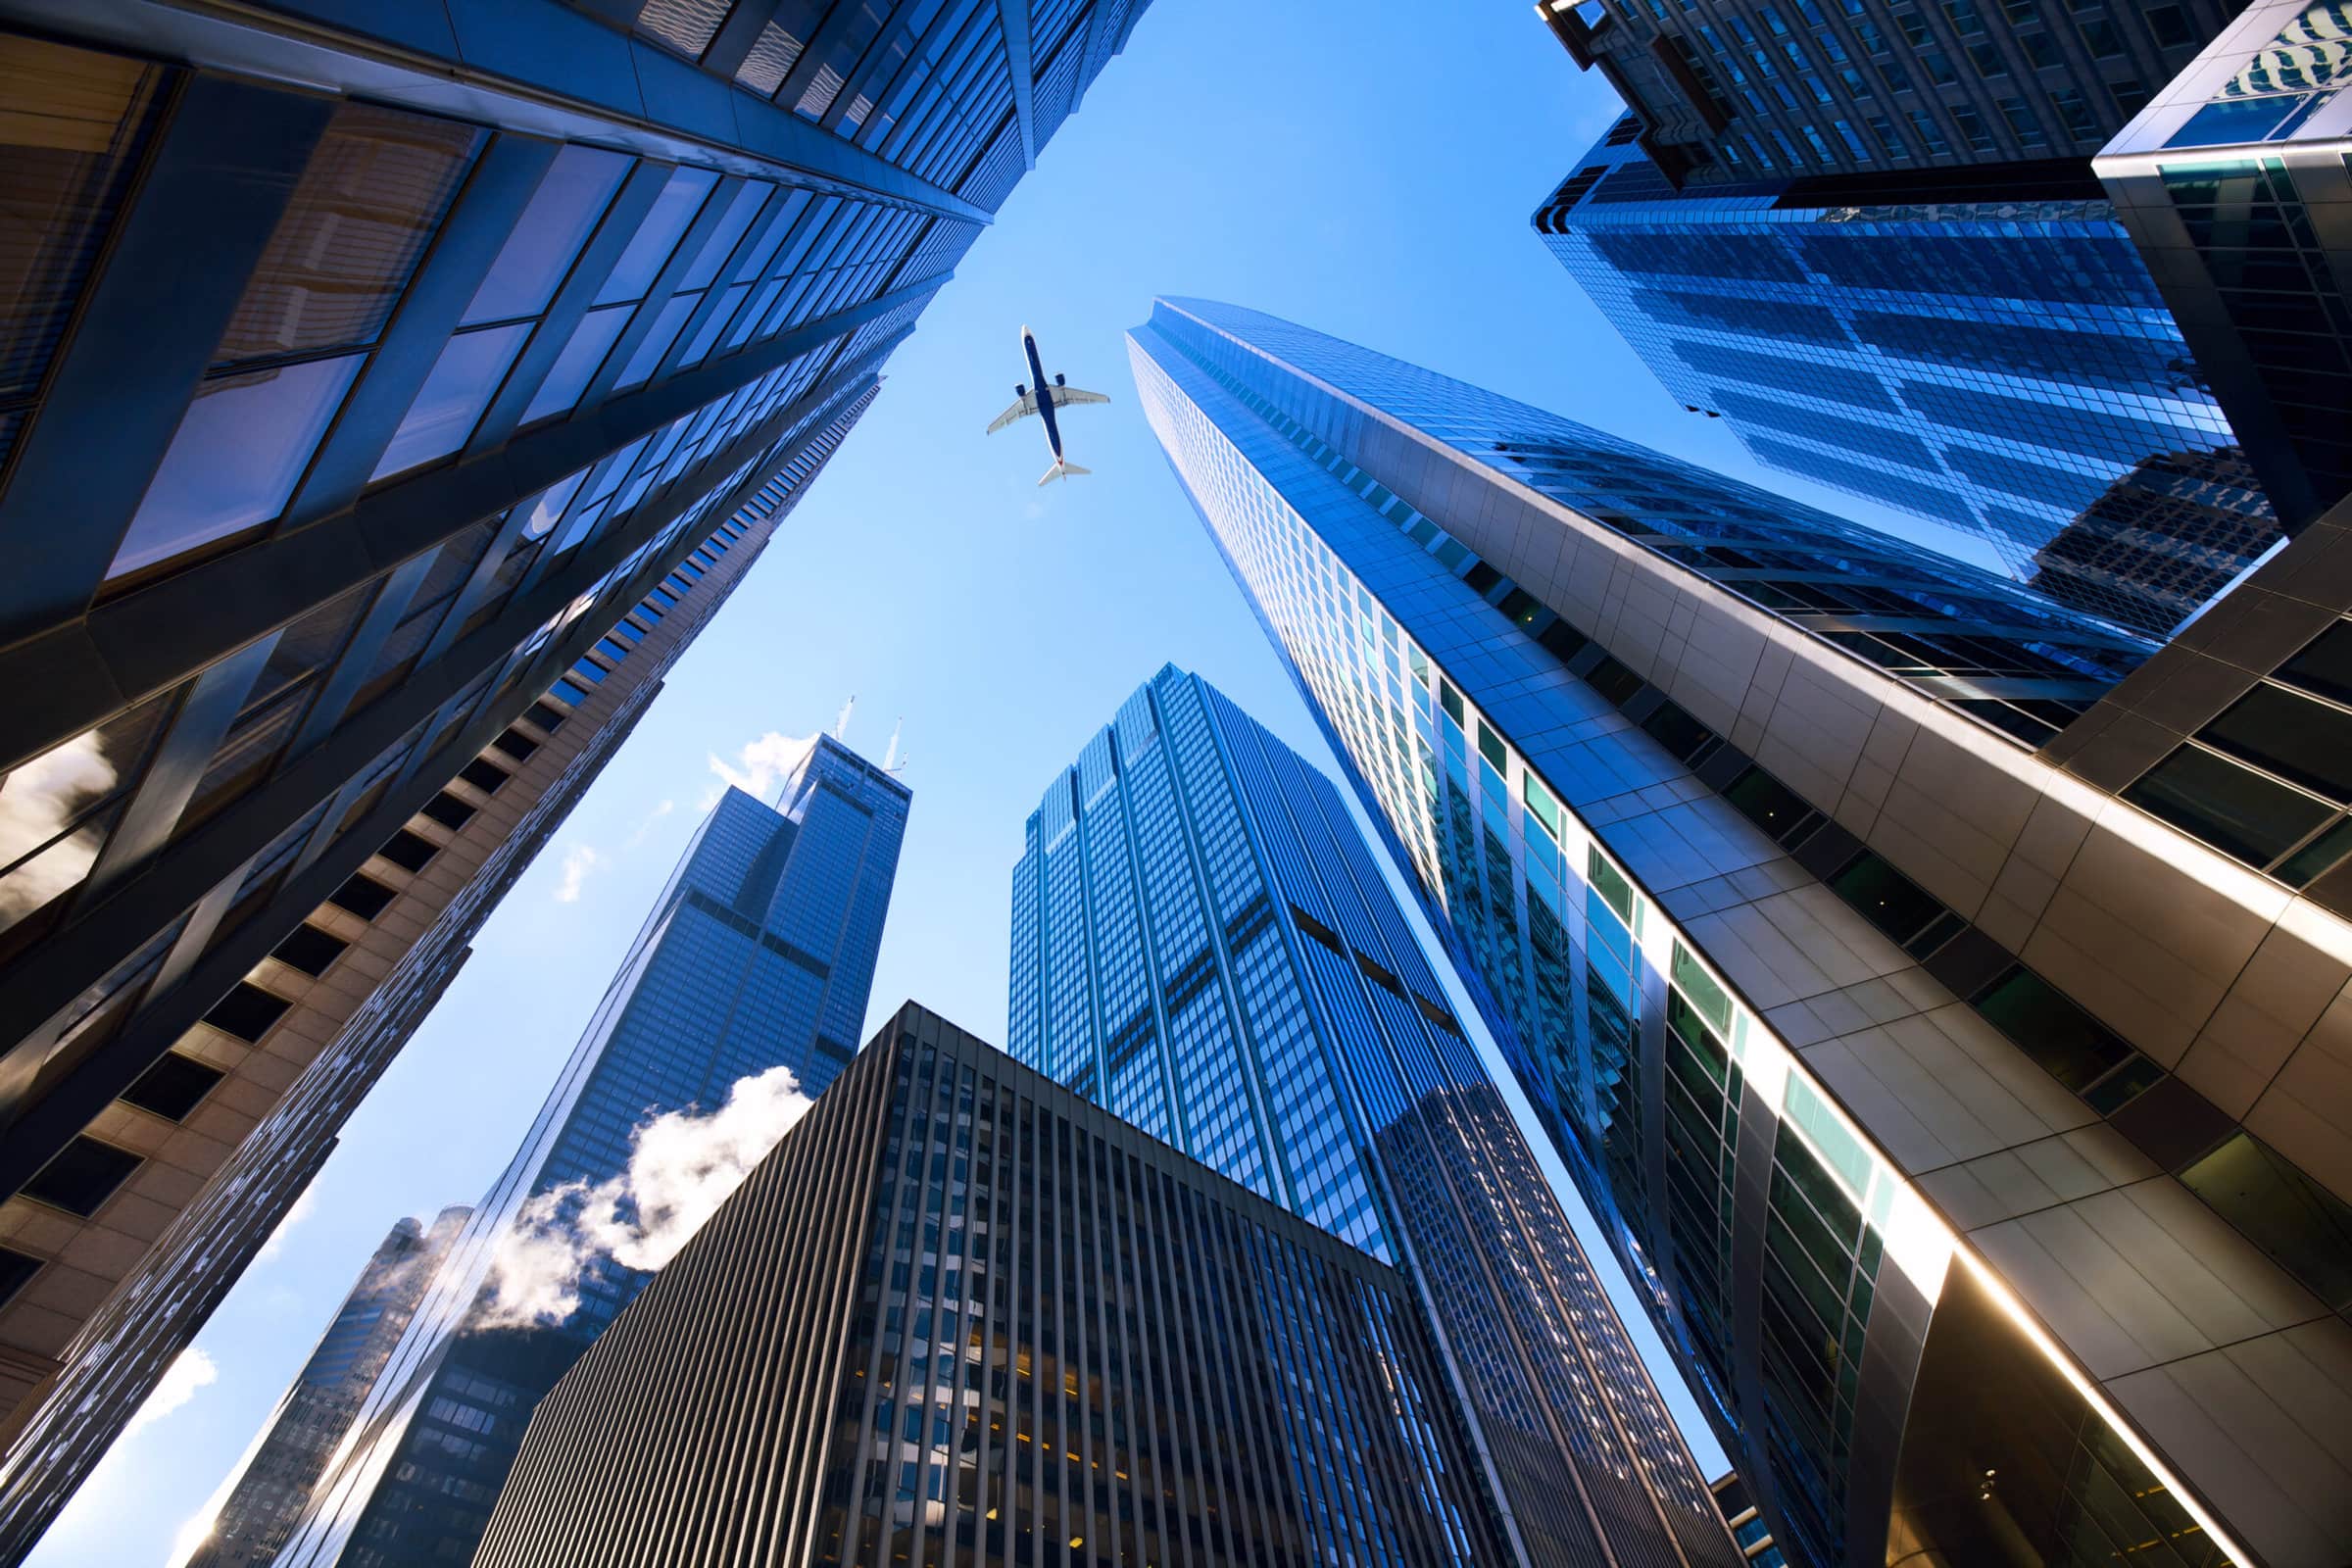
(1367, 170)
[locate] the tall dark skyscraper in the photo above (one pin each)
(999, 1325)
(317, 1410)
(1733, 90)
(758, 957)
(477, 325)
(1991, 356)
(175, 1185)
(1202, 942)
(2229, 182)
(1972, 1133)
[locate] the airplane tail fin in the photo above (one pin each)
(1062, 469)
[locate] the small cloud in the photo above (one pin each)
(190, 1371)
(1032, 511)
(647, 826)
(578, 861)
(764, 763)
(681, 1167)
(295, 1215)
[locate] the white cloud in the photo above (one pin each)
(681, 1167)
(295, 1214)
(578, 861)
(190, 1371)
(762, 765)
(647, 826)
(36, 801)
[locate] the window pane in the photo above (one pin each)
(2287, 1214)
(554, 224)
(236, 457)
(551, 504)
(172, 1087)
(686, 26)
(657, 341)
(2302, 741)
(452, 396)
(728, 304)
(2237, 811)
(741, 210)
(657, 235)
(77, 124)
(371, 197)
(2324, 666)
(83, 1175)
(56, 810)
(569, 374)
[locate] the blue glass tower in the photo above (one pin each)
(1202, 942)
(1804, 958)
(1990, 355)
(760, 955)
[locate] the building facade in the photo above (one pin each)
(1732, 91)
(2233, 182)
(1985, 350)
(1969, 1130)
(1203, 944)
(183, 1179)
(312, 1414)
(1016, 1329)
(759, 956)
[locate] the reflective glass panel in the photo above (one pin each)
(236, 457)
(2232, 809)
(577, 364)
(554, 224)
(657, 235)
(657, 342)
(57, 809)
(452, 396)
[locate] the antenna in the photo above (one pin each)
(841, 724)
(890, 755)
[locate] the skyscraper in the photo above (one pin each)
(999, 1325)
(2230, 181)
(758, 957)
(314, 1412)
(1202, 942)
(1989, 353)
(1969, 1130)
(1728, 90)
(177, 1184)
(476, 329)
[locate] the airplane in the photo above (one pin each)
(1041, 402)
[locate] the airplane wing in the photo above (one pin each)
(1019, 411)
(1065, 396)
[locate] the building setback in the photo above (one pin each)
(757, 957)
(1986, 351)
(476, 330)
(1202, 942)
(1954, 1115)
(182, 1180)
(998, 1324)
(312, 1415)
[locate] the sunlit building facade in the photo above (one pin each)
(1202, 942)
(1967, 1129)
(1991, 357)
(274, 1480)
(1007, 1328)
(759, 956)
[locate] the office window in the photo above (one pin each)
(409, 852)
(363, 895)
(172, 1087)
(16, 1270)
(548, 718)
(310, 950)
(2230, 808)
(83, 1176)
(666, 327)
(557, 221)
(576, 366)
(517, 745)
(247, 1012)
(484, 775)
(2298, 1222)
(451, 402)
(2324, 666)
(57, 809)
(2302, 741)
(448, 810)
(2069, 1045)
(657, 235)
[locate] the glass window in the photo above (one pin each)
(172, 1087)
(247, 1012)
(569, 375)
(16, 1270)
(451, 402)
(83, 1175)
(551, 504)
(2232, 809)
(2287, 1214)
(2069, 1045)
(233, 464)
(2324, 666)
(57, 809)
(310, 950)
(672, 210)
(555, 223)
(1885, 898)
(2305, 742)
(745, 206)
(76, 125)
(667, 328)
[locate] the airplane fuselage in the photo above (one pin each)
(1039, 384)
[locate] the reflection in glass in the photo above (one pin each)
(452, 396)
(570, 373)
(551, 504)
(57, 809)
(657, 342)
(236, 457)
(556, 223)
(657, 235)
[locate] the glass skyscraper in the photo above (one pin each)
(759, 955)
(276, 1479)
(997, 1325)
(1994, 358)
(1985, 1180)
(1202, 942)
